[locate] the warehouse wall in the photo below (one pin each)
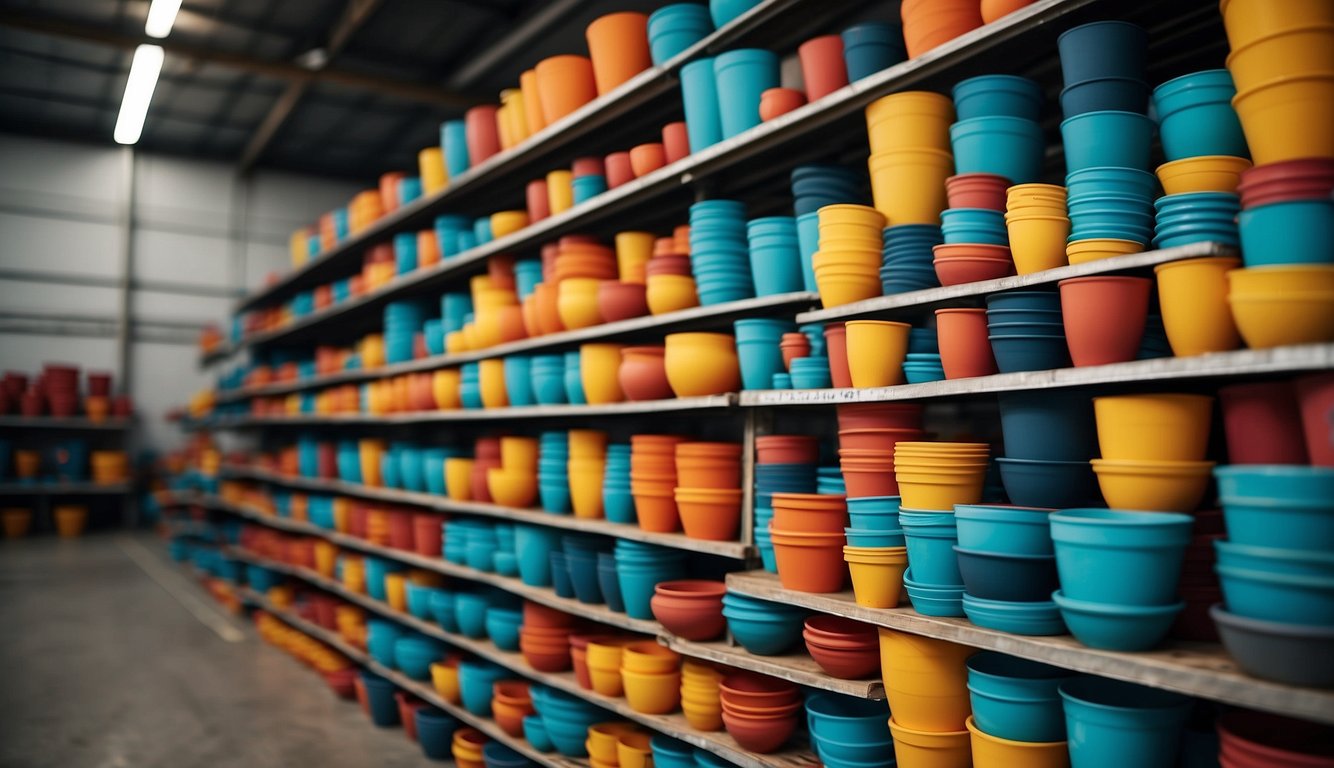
(200, 236)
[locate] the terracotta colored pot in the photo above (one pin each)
(930, 23)
(426, 534)
(965, 351)
(759, 734)
(879, 415)
(750, 689)
(836, 346)
(882, 440)
(532, 102)
(870, 480)
(539, 615)
(810, 562)
(1263, 423)
(845, 663)
(539, 202)
(1104, 317)
(656, 509)
(977, 190)
(1307, 179)
(822, 66)
(695, 473)
(675, 141)
(691, 609)
(618, 46)
(621, 301)
(775, 102)
(793, 346)
(619, 170)
(482, 132)
(840, 632)
(564, 84)
(960, 263)
(643, 375)
(787, 449)
(1260, 740)
(1315, 395)
(587, 166)
(647, 158)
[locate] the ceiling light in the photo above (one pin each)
(138, 93)
(161, 15)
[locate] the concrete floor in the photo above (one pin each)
(102, 666)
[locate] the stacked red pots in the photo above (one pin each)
(842, 647)
(760, 712)
(867, 434)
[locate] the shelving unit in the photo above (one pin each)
(63, 489)
(78, 423)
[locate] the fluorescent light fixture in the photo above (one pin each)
(161, 15)
(138, 93)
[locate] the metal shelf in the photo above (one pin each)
(64, 489)
(1244, 362)
(731, 549)
(71, 423)
(675, 725)
(795, 667)
(673, 321)
(927, 297)
(416, 687)
(1196, 669)
(785, 130)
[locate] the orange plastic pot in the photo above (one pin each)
(1104, 317)
(655, 508)
(995, 9)
(532, 102)
(792, 514)
(564, 84)
(70, 520)
(676, 142)
(823, 69)
(619, 170)
(647, 158)
(618, 46)
(964, 349)
(711, 514)
(776, 102)
(787, 449)
(692, 473)
(836, 347)
(810, 562)
(931, 23)
(16, 521)
(643, 374)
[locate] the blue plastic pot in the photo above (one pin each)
(871, 47)
(743, 74)
(1110, 138)
(1114, 94)
(1052, 484)
(435, 732)
(502, 626)
(1102, 49)
(870, 538)
(776, 269)
(760, 633)
(1004, 529)
(921, 374)
(1049, 300)
(1094, 183)
(609, 583)
(1111, 627)
(637, 584)
(519, 380)
(837, 721)
(1034, 619)
(380, 700)
(507, 563)
(1015, 698)
(470, 613)
(414, 654)
(476, 681)
(723, 11)
(1029, 353)
(1111, 724)
(1270, 595)
(443, 610)
(670, 753)
(549, 385)
(1005, 577)
(497, 755)
(419, 600)
(586, 188)
(674, 28)
(535, 733)
(699, 96)
(931, 600)
(481, 555)
(376, 569)
(1055, 425)
(1006, 146)
(1292, 232)
(1118, 557)
(997, 96)
(454, 144)
(1277, 483)
(390, 476)
(973, 225)
(527, 275)
(618, 505)
(808, 240)
(1196, 117)
(560, 575)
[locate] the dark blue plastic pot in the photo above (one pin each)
(1119, 94)
(1034, 619)
(997, 96)
(1102, 49)
(380, 700)
(435, 732)
(1053, 425)
(1006, 146)
(560, 575)
(1015, 698)
(674, 28)
(1010, 578)
(497, 755)
(846, 720)
(1046, 300)
(871, 47)
(443, 609)
(1029, 353)
(609, 583)
(1050, 484)
(1108, 138)
(1110, 724)
(1110, 627)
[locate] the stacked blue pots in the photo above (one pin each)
(1197, 217)
(470, 385)
(433, 468)
(574, 379)
(1103, 68)
(757, 346)
(414, 654)
(775, 255)
(1026, 331)
(481, 230)
(1289, 232)
(1008, 565)
(878, 516)
(402, 320)
(565, 719)
(380, 699)
(674, 28)
(454, 311)
(932, 580)
(581, 558)
(476, 680)
(454, 548)
(419, 599)
(1049, 439)
(342, 290)
(560, 575)
(815, 186)
(1112, 723)
(553, 473)
(434, 331)
(376, 569)
(742, 75)
(548, 372)
(519, 380)
(454, 146)
(533, 546)
(1111, 203)
(997, 130)
(640, 567)
(453, 236)
(1276, 571)
(811, 372)
(307, 456)
(974, 225)
(389, 465)
(1016, 699)
(1195, 116)
(719, 254)
(527, 274)
(342, 224)
(1095, 551)
(411, 471)
(502, 626)
(618, 506)
(771, 479)
(481, 546)
(907, 258)
(829, 482)
(922, 367)
(670, 753)
(506, 558)
(470, 613)
(609, 582)
(871, 47)
(405, 252)
(761, 627)
(535, 733)
(699, 98)
(848, 732)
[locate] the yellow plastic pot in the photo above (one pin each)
(560, 191)
(507, 222)
(994, 752)
(877, 574)
(1037, 243)
(603, 737)
(699, 364)
(1192, 296)
(587, 443)
(458, 479)
(939, 492)
(634, 750)
(839, 289)
(515, 488)
(909, 120)
(908, 185)
(876, 350)
(699, 674)
(395, 591)
(431, 168)
(1287, 279)
(586, 477)
(326, 557)
(354, 574)
(1297, 51)
(926, 682)
(1250, 20)
(606, 680)
(604, 654)
(342, 509)
(491, 375)
(915, 748)
(577, 302)
(633, 250)
(445, 387)
(670, 293)
(648, 656)
(1206, 173)
(1161, 486)
(652, 693)
(519, 453)
(370, 451)
(1289, 118)
(1167, 427)
(599, 368)
(1081, 251)
(1277, 320)
(849, 214)
(702, 717)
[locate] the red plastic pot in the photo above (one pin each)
(587, 166)
(1315, 395)
(622, 301)
(483, 135)
(776, 102)
(977, 190)
(787, 449)
(759, 734)
(401, 529)
(426, 537)
(1104, 317)
(844, 663)
(642, 374)
(960, 263)
(836, 346)
(810, 562)
(691, 609)
(965, 351)
(880, 440)
(619, 169)
(407, 712)
(750, 689)
(538, 201)
(793, 346)
(879, 415)
(1260, 740)
(869, 480)
(1306, 179)
(823, 69)
(1263, 423)
(675, 141)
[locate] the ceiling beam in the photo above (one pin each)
(355, 14)
(403, 89)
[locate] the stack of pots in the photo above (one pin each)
(907, 258)
(581, 268)
(544, 637)
(548, 379)
(599, 373)
(1153, 449)
(581, 558)
(868, 434)
(640, 568)
(674, 28)
(553, 479)
(510, 704)
(1250, 739)
(653, 481)
(719, 255)
(587, 466)
(651, 676)
(761, 627)
(643, 373)
(1038, 223)
(926, 684)
(775, 255)
(997, 141)
(1049, 439)
(783, 464)
(758, 349)
(1008, 566)
(599, 657)
(871, 47)
(848, 732)
(814, 187)
(618, 505)
(514, 483)
(808, 537)
(1275, 571)
(760, 712)
(1026, 331)
(848, 261)
(933, 478)
(1018, 717)
(708, 491)
(923, 362)
(1199, 581)
(402, 320)
(690, 609)
(843, 648)
(910, 155)
(566, 719)
(1196, 217)
(668, 284)
(701, 695)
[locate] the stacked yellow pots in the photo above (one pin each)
(936, 476)
(587, 466)
(700, 695)
(926, 684)
(847, 264)
(514, 482)
(910, 155)
(651, 675)
(1038, 224)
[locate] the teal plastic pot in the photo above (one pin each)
(1109, 138)
(742, 75)
(1120, 557)
(1015, 698)
(1111, 724)
(699, 97)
